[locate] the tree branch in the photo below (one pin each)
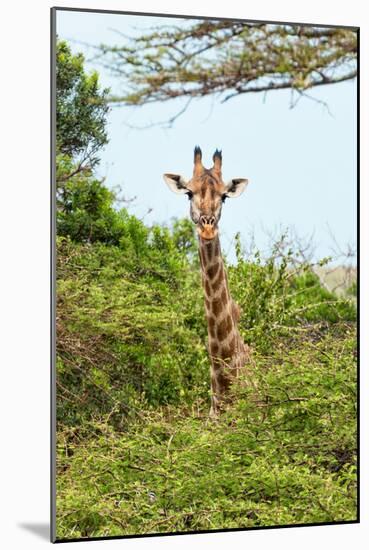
(227, 59)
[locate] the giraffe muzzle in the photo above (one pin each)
(207, 227)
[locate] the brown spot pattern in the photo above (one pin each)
(225, 352)
(222, 330)
(209, 252)
(236, 312)
(232, 345)
(212, 270)
(218, 281)
(217, 307)
(214, 348)
(211, 325)
(223, 297)
(203, 255)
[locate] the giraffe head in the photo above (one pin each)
(207, 192)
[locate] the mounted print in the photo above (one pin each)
(204, 232)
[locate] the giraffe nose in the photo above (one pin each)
(207, 220)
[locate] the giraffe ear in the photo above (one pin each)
(176, 183)
(236, 187)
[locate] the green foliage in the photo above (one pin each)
(81, 106)
(282, 453)
(87, 214)
(136, 450)
(83, 203)
(323, 304)
(131, 326)
(276, 297)
(133, 313)
(353, 290)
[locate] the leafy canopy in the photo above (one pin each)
(81, 107)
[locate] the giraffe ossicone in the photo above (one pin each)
(207, 193)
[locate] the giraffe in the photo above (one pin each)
(207, 193)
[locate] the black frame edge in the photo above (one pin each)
(52, 275)
(358, 270)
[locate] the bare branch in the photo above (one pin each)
(166, 123)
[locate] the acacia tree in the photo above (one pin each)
(228, 58)
(81, 110)
(85, 209)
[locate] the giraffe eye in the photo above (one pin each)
(189, 195)
(224, 196)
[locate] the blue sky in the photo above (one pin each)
(301, 162)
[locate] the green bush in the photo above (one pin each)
(276, 296)
(282, 453)
(131, 323)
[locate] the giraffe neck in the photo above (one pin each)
(222, 313)
(228, 352)
(215, 285)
